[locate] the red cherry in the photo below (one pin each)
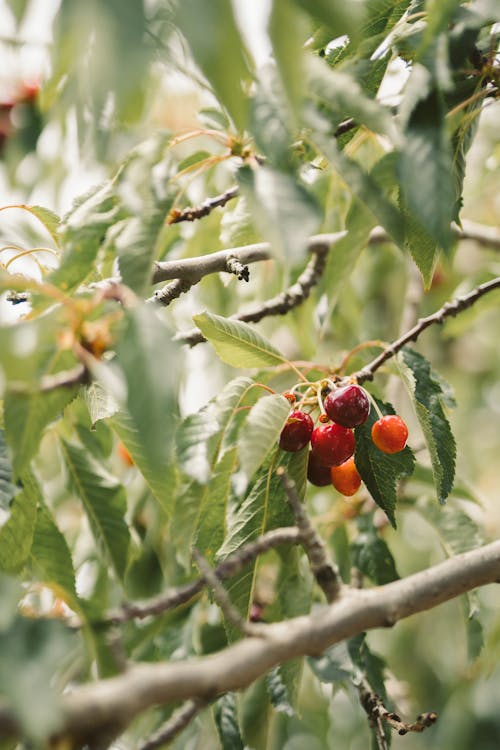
(390, 434)
(318, 473)
(332, 443)
(296, 433)
(348, 406)
(345, 478)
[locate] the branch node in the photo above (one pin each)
(236, 267)
(322, 567)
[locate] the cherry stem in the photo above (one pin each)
(375, 405)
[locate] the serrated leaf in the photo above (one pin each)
(381, 471)
(52, 559)
(30, 652)
(82, 232)
(147, 357)
(371, 555)
(457, 531)
(425, 165)
(49, 219)
(100, 403)
(365, 188)
(261, 431)
(212, 34)
(7, 488)
(286, 33)
(237, 343)
(211, 528)
(264, 508)
(338, 17)
(422, 247)
(283, 210)
(474, 626)
(370, 665)
(334, 665)
(160, 478)
(278, 693)
(104, 502)
(26, 417)
(427, 393)
(16, 534)
(226, 721)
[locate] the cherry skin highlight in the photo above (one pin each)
(296, 433)
(390, 434)
(346, 478)
(348, 406)
(332, 443)
(317, 473)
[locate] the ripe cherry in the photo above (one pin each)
(297, 432)
(332, 443)
(348, 406)
(318, 473)
(345, 478)
(390, 434)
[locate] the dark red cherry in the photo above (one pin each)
(332, 443)
(348, 406)
(318, 473)
(297, 431)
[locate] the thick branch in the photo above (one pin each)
(109, 705)
(194, 269)
(448, 310)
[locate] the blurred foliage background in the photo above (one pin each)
(84, 82)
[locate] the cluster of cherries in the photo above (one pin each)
(332, 441)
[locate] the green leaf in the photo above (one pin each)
(370, 665)
(29, 651)
(147, 357)
(457, 531)
(338, 17)
(261, 431)
(226, 721)
(52, 558)
(342, 95)
(7, 488)
(371, 555)
(159, 477)
(428, 393)
(237, 343)
(211, 518)
(26, 417)
(381, 471)
(264, 508)
(104, 502)
(421, 245)
(283, 210)
(278, 692)
(287, 35)
(365, 188)
(82, 232)
(425, 165)
(16, 534)
(474, 626)
(212, 34)
(334, 665)
(49, 219)
(100, 403)
(18, 8)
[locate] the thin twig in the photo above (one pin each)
(449, 309)
(378, 713)
(322, 567)
(170, 291)
(227, 568)
(289, 298)
(174, 726)
(191, 213)
(223, 599)
(78, 375)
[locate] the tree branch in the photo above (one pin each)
(448, 310)
(191, 213)
(227, 568)
(194, 269)
(319, 246)
(322, 567)
(174, 726)
(107, 706)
